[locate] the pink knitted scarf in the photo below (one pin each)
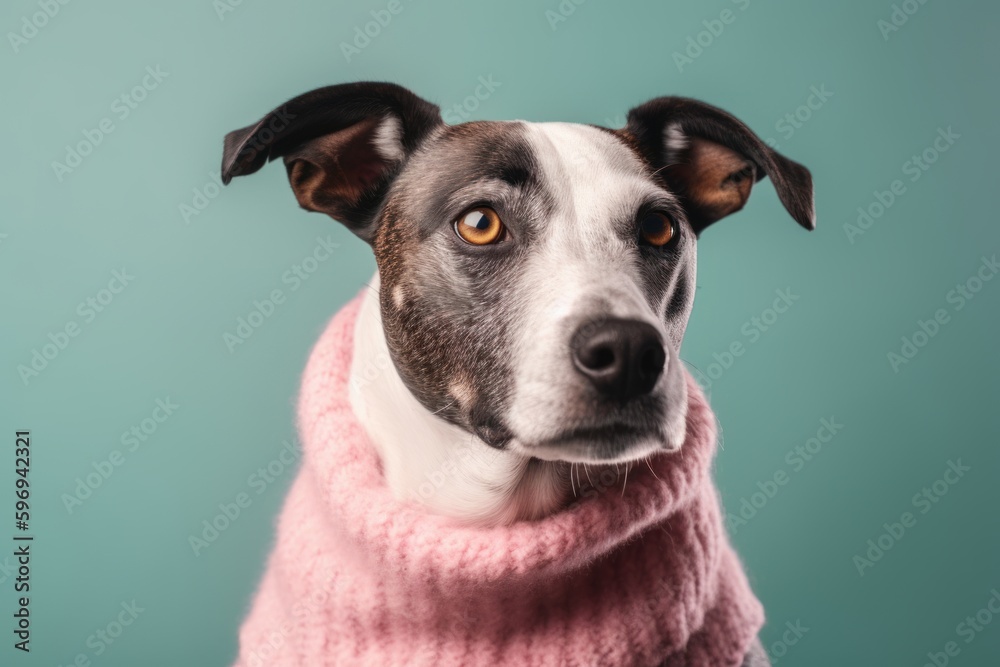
(640, 577)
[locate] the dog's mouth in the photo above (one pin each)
(623, 433)
(610, 443)
(614, 442)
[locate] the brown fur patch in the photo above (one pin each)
(332, 172)
(714, 178)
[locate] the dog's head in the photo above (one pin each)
(536, 278)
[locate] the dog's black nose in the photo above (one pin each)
(622, 358)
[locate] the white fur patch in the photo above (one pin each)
(388, 139)
(675, 141)
(463, 392)
(398, 296)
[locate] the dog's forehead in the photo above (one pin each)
(583, 152)
(593, 173)
(569, 172)
(566, 154)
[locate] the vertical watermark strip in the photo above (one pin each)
(22, 540)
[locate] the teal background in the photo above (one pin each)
(825, 358)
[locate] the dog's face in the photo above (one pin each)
(536, 278)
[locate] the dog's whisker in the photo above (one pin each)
(650, 466)
(664, 167)
(586, 468)
(445, 407)
(625, 483)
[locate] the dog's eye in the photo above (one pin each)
(480, 226)
(656, 229)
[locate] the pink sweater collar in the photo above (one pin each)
(358, 578)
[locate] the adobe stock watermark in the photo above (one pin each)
(957, 298)
(131, 440)
(796, 459)
(448, 469)
(618, 121)
(122, 107)
(223, 7)
(793, 634)
(483, 91)
(372, 370)
(201, 197)
(264, 309)
(924, 501)
(898, 17)
(597, 479)
(87, 310)
(698, 43)
(970, 628)
(267, 648)
(30, 25)
(562, 12)
(794, 120)
(277, 122)
(752, 330)
(231, 510)
(914, 168)
(364, 34)
(104, 637)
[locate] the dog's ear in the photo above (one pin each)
(342, 146)
(711, 160)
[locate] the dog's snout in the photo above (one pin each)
(621, 358)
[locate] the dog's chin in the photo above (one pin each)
(608, 444)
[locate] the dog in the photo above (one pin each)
(534, 281)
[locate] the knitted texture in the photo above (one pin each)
(641, 577)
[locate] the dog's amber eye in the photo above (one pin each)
(656, 229)
(480, 226)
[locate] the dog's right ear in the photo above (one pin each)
(342, 146)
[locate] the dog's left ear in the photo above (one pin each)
(342, 146)
(711, 160)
